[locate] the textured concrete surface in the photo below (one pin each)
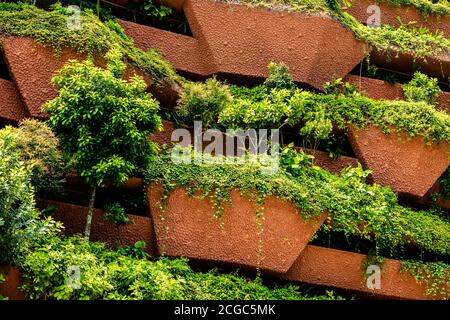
(74, 219)
(11, 106)
(389, 14)
(322, 159)
(9, 288)
(407, 166)
(186, 227)
(344, 270)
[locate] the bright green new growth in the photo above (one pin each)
(350, 202)
(437, 8)
(50, 29)
(422, 88)
(109, 275)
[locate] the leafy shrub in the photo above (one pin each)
(106, 274)
(203, 101)
(422, 88)
(279, 77)
(39, 148)
(20, 225)
(339, 86)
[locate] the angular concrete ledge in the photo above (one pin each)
(10, 288)
(185, 226)
(344, 270)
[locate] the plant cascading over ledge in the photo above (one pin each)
(104, 121)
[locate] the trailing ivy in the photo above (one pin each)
(355, 208)
(50, 29)
(119, 275)
(435, 276)
(316, 113)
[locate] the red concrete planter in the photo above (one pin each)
(344, 270)
(407, 166)
(379, 89)
(33, 65)
(74, 219)
(389, 15)
(186, 227)
(10, 288)
(11, 107)
(239, 40)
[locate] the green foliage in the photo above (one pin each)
(422, 88)
(19, 220)
(355, 208)
(110, 275)
(203, 101)
(157, 11)
(315, 113)
(445, 184)
(435, 275)
(134, 251)
(114, 212)
(50, 29)
(2, 279)
(425, 7)
(39, 148)
(279, 77)
(104, 120)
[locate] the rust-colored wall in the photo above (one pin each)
(407, 166)
(186, 227)
(438, 67)
(322, 159)
(11, 106)
(9, 288)
(389, 14)
(74, 219)
(344, 270)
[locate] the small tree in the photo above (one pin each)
(105, 121)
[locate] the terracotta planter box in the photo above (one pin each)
(33, 65)
(186, 227)
(379, 89)
(10, 288)
(344, 270)
(74, 219)
(236, 40)
(75, 183)
(389, 14)
(12, 109)
(407, 166)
